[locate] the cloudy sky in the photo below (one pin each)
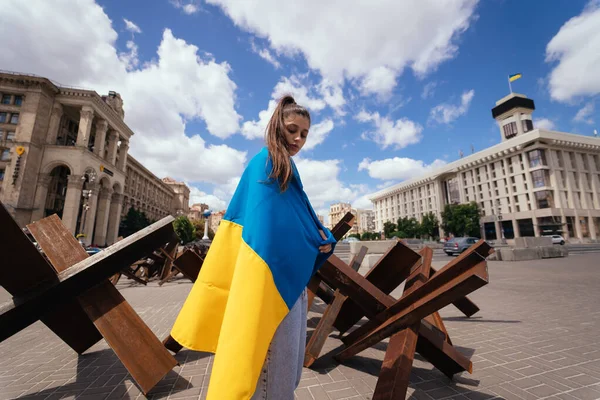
(395, 87)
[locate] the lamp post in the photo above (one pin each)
(206, 214)
(499, 216)
(86, 194)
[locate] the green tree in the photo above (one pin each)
(355, 235)
(389, 228)
(184, 229)
(429, 225)
(461, 219)
(409, 227)
(368, 236)
(133, 222)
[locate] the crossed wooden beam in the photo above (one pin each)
(412, 322)
(72, 295)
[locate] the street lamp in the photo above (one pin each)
(86, 194)
(206, 214)
(499, 216)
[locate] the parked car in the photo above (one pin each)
(457, 245)
(91, 250)
(350, 239)
(556, 239)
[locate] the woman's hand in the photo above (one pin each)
(326, 248)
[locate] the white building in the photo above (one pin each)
(534, 182)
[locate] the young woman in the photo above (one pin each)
(249, 303)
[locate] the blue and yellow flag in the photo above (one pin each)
(263, 255)
(514, 77)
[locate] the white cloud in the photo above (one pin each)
(333, 95)
(445, 113)
(321, 182)
(380, 80)
(213, 202)
(584, 114)
(266, 55)
(575, 48)
(177, 86)
(294, 86)
(188, 8)
(385, 184)
(363, 203)
(544, 123)
(398, 168)
(130, 59)
(429, 90)
(131, 27)
(318, 133)
(350, 42)
(303, 94)
(399, 133)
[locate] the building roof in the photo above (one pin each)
(497, 151)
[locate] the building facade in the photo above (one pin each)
(366, 221)
(535, 182)
(337, 211)
(197, 211)
(180, 204)
(145, 192)
(215, 219)
(64, 151)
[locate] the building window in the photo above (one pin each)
(584, 161)
(510, 130)
(544, 199)
(572, 159)
(1, 174)
(6, 98)
(14, 119)
(536, 158)
(18, 100)
(527, 125)
(10, 135)
(3, 117)
(5, 155)
(540, 178)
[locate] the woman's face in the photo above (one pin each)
(296, 131)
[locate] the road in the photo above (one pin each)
(342, 250)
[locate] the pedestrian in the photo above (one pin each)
(248, 305)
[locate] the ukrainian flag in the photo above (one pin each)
(261, 259)
(514, 77)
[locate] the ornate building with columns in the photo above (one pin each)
(534, 182)
(64, 151)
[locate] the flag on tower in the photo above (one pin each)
(514, 77)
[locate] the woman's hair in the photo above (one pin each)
(277, 143)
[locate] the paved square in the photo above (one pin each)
(537, 336)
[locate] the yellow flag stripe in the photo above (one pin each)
(221, 314)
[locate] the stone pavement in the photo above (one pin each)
(537, 336)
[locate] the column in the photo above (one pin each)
(592, 226)
(86, 115)
(90, 215)
(114, 218)
(123, 155)
(536, 227)
(516, 228)
(41, 193)
(72, 201)
(54, 125)
(113, 138)
(102, 217)
(101, 128)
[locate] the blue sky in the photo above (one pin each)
(410, 83)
